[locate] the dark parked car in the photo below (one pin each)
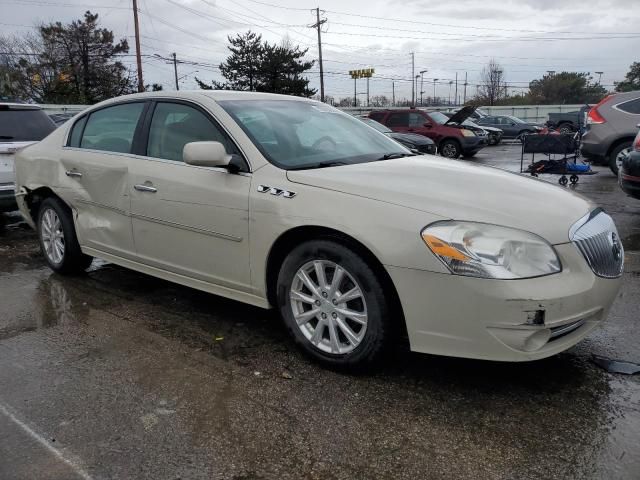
(569, 122)
(512, 126)
(451, 138)
(494, 135)
(611, 128)
(629, 174)
(412, 141)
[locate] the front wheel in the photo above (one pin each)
(58, 239)
(334, 304)
(450, 149)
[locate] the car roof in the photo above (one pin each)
(18, 106)
(216, 95)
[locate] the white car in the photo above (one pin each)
(20, 126)
(289, 203)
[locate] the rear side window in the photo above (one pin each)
(24, 125)
(76, 132)
(111, 129)
(398, 119)
(377, 116)
(632, 106)
(174, 125)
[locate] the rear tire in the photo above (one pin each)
(449, 149)
(58, 240)
(617, 154)
(350, 334)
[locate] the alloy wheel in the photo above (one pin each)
(329, 307)
(52, 236)
(449, 150)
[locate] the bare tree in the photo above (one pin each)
(492, 83)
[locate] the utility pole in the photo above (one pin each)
(175, 70)
(393, 93)
(138, 56)
(317, 25)
(464, 99)
(413, 75)
(455, 98)
(368, 92)
(450, 83)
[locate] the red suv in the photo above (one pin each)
(451, 137)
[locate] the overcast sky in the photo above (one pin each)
(527, 37)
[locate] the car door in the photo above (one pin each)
(96, 162)
(423, 125)
(508, 126)
(189, 220)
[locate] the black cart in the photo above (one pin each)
(560, 157)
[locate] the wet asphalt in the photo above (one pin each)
(120, 375)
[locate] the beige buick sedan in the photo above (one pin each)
(288, 203)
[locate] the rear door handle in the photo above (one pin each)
(145, 188)
(73, 173)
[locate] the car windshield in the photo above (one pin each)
(378, 126)
(439, 117)
(24, 125)
(300, 134)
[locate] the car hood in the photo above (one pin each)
(461, 115)
(458, 190)
(411, 137)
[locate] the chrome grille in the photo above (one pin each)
(597, 238)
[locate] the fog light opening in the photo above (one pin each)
(537, 340)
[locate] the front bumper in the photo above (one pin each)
(7, 198)
(473, 144)
(504, 320)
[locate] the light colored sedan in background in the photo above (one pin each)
(289, 203)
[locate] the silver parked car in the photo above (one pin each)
(611, 128)
(289, 203)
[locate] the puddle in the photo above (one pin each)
(616, 366)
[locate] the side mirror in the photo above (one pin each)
(205, 154)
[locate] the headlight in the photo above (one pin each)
(467, 133)
(490, 251)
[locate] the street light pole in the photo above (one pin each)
(450, 83)
(422, 72)
(434, 90)
(599, 76)
(175, 70)
(413, 74)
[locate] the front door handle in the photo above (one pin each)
(73, 173)
(145, 188)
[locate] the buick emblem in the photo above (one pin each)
(616, 248)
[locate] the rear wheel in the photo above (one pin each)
(58, 239)
(450, 149)
(523, 134)
(333, 304)
(618, 154)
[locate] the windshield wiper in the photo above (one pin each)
(328, 163)
(389, 156)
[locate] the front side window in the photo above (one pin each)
(296, 134)
(416, 120)
(173, 125)
(632, 106)
(112, 128)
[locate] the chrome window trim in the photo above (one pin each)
(617, 106)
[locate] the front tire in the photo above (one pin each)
(450, 149)
(334, 305)
(58, 239)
